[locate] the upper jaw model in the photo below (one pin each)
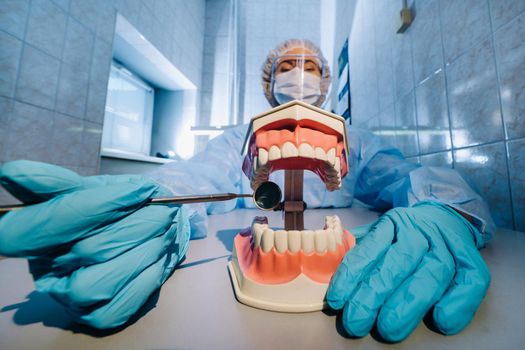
(289, 269)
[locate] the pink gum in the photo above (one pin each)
(277, 268)
(267, 138)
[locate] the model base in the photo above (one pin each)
(278, 297)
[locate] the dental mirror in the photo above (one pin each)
(267, 196)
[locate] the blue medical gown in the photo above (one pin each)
(379, 176)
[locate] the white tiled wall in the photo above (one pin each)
(266, 24)
(54, 66)
(261, 25)
(450, 91)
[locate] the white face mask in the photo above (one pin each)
(297, 85)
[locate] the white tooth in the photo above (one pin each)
(257, 231)
(281, 241)
(320, 241)
(330, 240)
(330, 155)
(289, 150)
(294, 241)
(338, 231)
(338, 235)
(255, 163)
(275, 153)
(336, 222)
(306, 151)
(329, 222)
(337, 165)
(267, 240)
(307, 241)
(320, 153)
(263, 156)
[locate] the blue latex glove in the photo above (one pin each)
(408, 261)
(91, 243)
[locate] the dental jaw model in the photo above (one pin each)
(289, 269)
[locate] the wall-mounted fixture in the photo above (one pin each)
(406, 18)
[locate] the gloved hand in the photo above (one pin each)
(408, 261)
(90, 241)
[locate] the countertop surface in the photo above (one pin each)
(196, 308)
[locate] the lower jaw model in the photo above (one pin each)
(288, 270)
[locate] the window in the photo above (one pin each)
(129, 112)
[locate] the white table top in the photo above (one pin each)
(196, 308)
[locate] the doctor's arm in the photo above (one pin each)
(385, 180)
(217, 169)
(421, 256)
(93, 244)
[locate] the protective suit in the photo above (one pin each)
(421, 254)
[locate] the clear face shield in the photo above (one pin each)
(297, 77)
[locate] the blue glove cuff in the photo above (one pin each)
(476, 234)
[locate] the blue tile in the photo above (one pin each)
(432, 115)
(503, 11)
(130, 9)
(406, 126)
(147, 24)
(99, 75)
(6, 109)
(161, 12)
(67, 140)
(363, 82)
(46, 27)
(13, 16)
(402, 64)
(38, 78)
(30, 129)
(3, 139)
(106, 23)
(101, 62)
(387, 122)
(385, 79)
(91, 138)
(10, 51)
(464, 23)
(441, 159)
(78, 46)
(486, 167)
(86, 12)
(62, 3)
(517, 181)
(474, 106)
(72, 90)
(383, 44)
(426, 45)
(96, 101)
(509, 43)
